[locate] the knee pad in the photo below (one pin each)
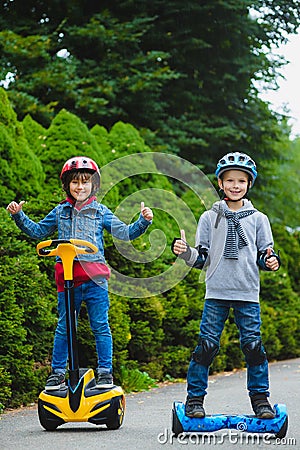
(205, 352)
(254, 353)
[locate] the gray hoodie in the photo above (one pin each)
(232, 279)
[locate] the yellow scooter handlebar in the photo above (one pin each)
(66, 249)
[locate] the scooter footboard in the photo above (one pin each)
(215, 422)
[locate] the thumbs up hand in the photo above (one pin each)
(271, 261)
(14, 207)
(179, 246)
(146, 212)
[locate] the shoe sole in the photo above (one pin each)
(266, 416)
(104, 385)
(55, 388)
(197, 415)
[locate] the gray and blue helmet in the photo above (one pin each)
(238, 161)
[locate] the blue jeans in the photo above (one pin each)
(96, 298)
(248, 321)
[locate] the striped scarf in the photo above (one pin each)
(235, 230)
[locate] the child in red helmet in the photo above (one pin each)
(80, 216)
(233, 240)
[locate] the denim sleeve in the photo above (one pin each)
(122, 231)
(36, 230)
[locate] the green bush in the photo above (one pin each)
(153, 335)
(133, 380)
(26, 316)
(5, 388)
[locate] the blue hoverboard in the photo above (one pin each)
(248, 423)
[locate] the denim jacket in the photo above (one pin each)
(87, 224)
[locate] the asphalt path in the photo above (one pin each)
(147, 424)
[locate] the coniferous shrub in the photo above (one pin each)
(26, 318)
(21, 168)
(154, 333)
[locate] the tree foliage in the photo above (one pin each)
(185, 76)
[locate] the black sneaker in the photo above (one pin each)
(262, 407)
(55, 381)
(194, 407)
(104, 380)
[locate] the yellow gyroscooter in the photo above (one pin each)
(80, 400)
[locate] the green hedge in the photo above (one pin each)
(153, 335)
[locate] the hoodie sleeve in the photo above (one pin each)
(203, 233)
(264, 236)
(264, 240)
(197, 255)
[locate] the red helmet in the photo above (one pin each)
(79, 162)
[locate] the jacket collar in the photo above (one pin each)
(76, 205)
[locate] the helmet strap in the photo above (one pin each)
(222, 194)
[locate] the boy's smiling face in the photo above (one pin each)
(234, 184)
(81, 188)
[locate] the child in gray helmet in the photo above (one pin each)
(233, 240)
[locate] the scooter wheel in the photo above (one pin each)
(114, 424)
(118, 416)
(48, 420)
(176, 424)
(283, 430)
